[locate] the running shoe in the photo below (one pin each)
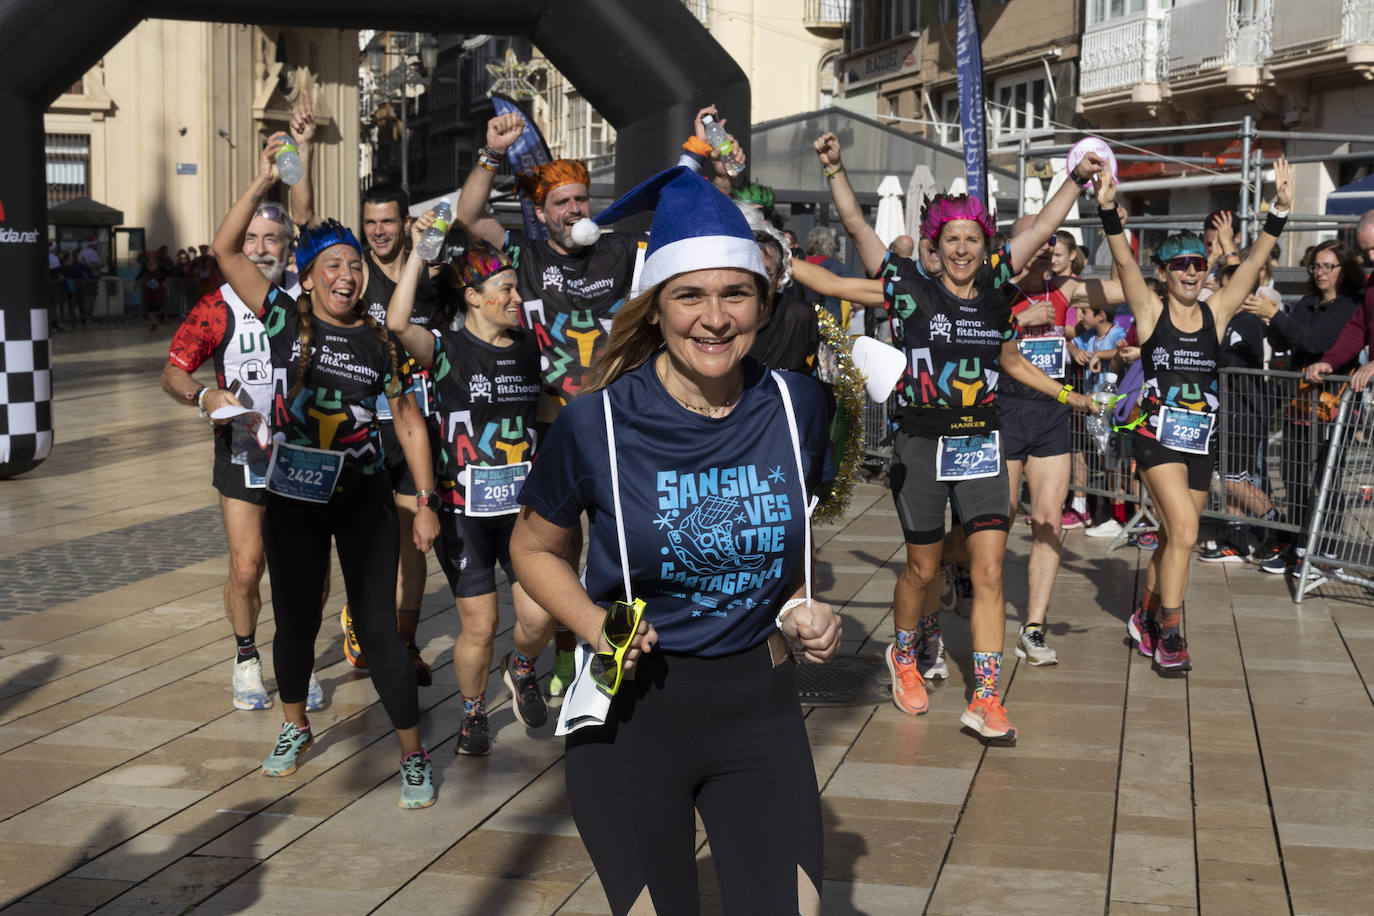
(949, 589)
(1147, 540)
(352, 651)
(930, 659)
(987, 717)
(1263, 553)
(1278, 564)
(1030, 645)
(291, 743)
(963, 585)
(525, 693)
(1108, 529)
(908, 687)
(249, 690)
(1171, 653)
(475, 737)
(417, 781)
(564, 665)
(314, 694)
(1071, 520)
(1220, 553)
(423, 675)
(1144, 630)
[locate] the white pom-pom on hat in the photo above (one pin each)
(585, 232)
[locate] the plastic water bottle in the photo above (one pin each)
(289, 164)
(720, 142)
(1099, 425)
(432, 242)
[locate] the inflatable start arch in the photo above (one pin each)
(646, 65)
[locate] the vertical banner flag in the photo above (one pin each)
(527, 153)
(969, 64)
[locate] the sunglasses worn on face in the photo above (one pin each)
(620, 626)
(1181, 264)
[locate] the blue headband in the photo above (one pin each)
(316, 239)
(1176, 245)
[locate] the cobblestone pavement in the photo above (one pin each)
(128, 784)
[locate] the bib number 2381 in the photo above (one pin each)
(969, 457)
(1044, 353)
(1185, 430)
(493, 490)
(307, 474)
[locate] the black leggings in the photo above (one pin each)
(295, 537)
(725, 736)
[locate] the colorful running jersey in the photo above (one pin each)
(377, 295)
(222, 328)
(335, 408)
(570, 300)
(488, 400)
(1180, 368)
(1020, 301)
(953, 346)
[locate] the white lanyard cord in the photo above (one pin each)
(807, 504)
(615, 494)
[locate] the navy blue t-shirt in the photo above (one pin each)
(713, 508)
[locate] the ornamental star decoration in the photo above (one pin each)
(508, 77)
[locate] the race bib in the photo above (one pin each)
(1048, 354)
(307, 474)
(969, 457)
(1185, 430)
(493, 490)
(253, 479)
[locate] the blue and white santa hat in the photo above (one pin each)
(695, 227)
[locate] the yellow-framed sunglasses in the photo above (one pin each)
(619, 628)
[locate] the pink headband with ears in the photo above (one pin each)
(946, 209)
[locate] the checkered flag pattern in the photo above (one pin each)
(25, 389)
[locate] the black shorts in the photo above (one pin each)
(1149, 453)
(229, 480)
(981, 504)
(469, 548)
(1033, 428)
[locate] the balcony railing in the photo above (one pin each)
(1357, 22)
(825, 14)
(1121, 56)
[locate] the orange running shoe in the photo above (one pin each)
(352, 651)
(987, 717)
(908, 687)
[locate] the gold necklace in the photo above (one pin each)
(699, 408)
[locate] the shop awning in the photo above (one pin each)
(1352, 199)
(82, 211)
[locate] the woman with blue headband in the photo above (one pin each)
(1175, 448)
(329, 365)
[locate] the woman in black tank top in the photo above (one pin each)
(1173, 448)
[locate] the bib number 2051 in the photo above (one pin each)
(493, 490)
(969, 457)
(307, 474)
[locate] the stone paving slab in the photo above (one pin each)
(129, 786)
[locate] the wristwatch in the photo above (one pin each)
(427, 499)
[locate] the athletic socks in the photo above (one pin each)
(477, 704)
(521, 666)
(1170, 618)
(904, 650)
(247, 647)
(929, 627)
(1080, 505)
(986, 665)
(1150, 602)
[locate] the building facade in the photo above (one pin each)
(168, 125)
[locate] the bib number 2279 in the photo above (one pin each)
(969, 457)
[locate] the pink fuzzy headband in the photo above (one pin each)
(942, 209)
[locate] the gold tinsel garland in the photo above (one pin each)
(835, 366)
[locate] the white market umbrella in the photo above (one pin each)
(890, 222)
(958, 186)
(919, 189)
(1061, 175)
(1032, 196)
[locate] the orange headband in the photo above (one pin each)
(536, 185)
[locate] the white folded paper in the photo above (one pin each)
(881, 364)
(586, 702)
(256, 421)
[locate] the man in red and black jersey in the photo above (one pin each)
(221, 328)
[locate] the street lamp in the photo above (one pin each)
(411, 71)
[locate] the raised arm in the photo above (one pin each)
(855, 289)
(871, 249)
(1226, 302)
(302, 193)
(1097, 292)
(471, 212)
(1145, 305)
(243, 276)
(419, 343)
(1025, 244)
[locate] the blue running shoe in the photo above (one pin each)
(417, 781)
(249, 691)
(291, 743)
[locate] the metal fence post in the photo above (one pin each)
(1246, 228)
(1314, 535)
